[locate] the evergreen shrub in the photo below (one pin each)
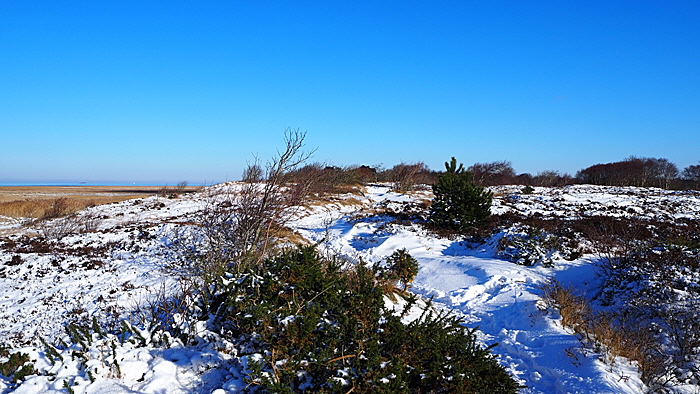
(401, 267)
(458, 203)
(318, 325)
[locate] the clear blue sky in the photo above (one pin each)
(161, 92)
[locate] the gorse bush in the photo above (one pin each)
(401, 267)
(316, 325)
(16, 366)
(458, 204)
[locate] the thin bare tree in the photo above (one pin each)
(235, 228)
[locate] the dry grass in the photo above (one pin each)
(330, 200)
(39, 202)
(49, 208)
(608, 333)
(289, 236)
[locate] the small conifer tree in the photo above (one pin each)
(401, 266)
(458, 204)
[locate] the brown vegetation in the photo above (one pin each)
(607, 332)
(45, 202)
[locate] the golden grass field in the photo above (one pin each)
(47, 201)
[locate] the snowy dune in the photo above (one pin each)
(115, 268)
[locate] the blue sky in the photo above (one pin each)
(161, 92)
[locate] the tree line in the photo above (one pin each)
(632, 171)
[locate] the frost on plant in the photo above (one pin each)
(529, 246)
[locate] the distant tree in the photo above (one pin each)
(524, 179)
(552, 178)
(633, 171)
(459, 204)
(691, 174)
(365, 173)
(546, 178)
(663, 172)
(491, 174)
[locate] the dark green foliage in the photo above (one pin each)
(401, 267)
(51, 352)
(527, 189)
(17, 367)
(310, 324)
(458, 204)
(68, 388)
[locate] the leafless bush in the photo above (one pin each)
(253, 173)
(683, 321)
(56, 229)
(181, 187)
(237, 227)
(172, 192)
(406, 176)
(612, 238)
(89, 222)
(660, 284)
(169, 308)
(324, 179)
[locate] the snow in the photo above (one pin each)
(117, 269)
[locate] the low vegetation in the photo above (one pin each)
(43, 209)
(646, 309)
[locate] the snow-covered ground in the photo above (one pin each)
(112, 266)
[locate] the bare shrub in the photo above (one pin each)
(237, 227)
(406, 176)
(58, 228)
(491, 174)
(253, 173)
(660, 284)
(529, 246)
(181, 187)
(612, 238)
(89, 222)
(169, 308)
(324, 179)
